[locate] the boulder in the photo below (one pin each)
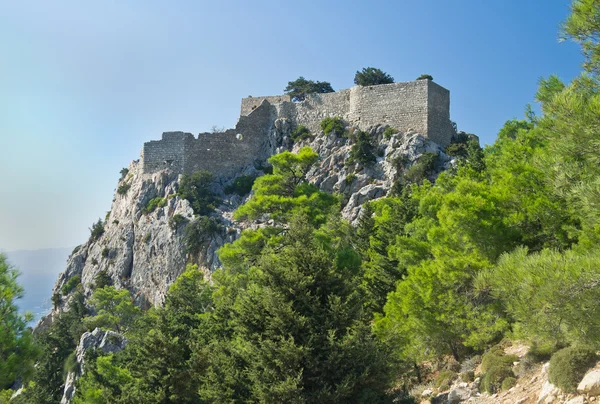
(548, 393)
(590, 384)
(576, 400)
(458, 394)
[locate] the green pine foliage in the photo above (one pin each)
(17, 351)
(71, 284)
(371, 76)
(242, 185)
(300, 88)
(55, 343)
(286, 192)
(335, 125)
(154, 204)
(300, 133)
(97, 230)
(198, 232)
(363, 149)
(114, 309)
(196, 189)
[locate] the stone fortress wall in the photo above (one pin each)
(422, 106)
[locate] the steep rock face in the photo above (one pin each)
(358, 183)
(146, 252)
(103, 341)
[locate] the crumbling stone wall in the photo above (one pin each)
(222, 153)
(421, 106)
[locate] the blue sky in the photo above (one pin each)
(84, 84)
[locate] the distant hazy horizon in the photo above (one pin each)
(38, 270)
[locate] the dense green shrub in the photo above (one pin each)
(71, 364)
(176, 221)
(496, 366)
(350, 178)
(153, 204)
(196, 189)
(71, 284)
(425, 77)
(389, 132)
(333, 125)
(105, 252)
(496, 357)
(363, 149)
(198, 232)
(123, 188)
(370, 76)
(493, 378)
(508, 383)
(124, 171)
(300, 88)
(242, 185)
(565, 281)
(468, 376)
(426, 165)
(569, 365)
(470, 364)
(102, 279)
(444, 379)
(97, 230)
(300, 133)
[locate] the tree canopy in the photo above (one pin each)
(17, 351)
(300, 88)
(371, 76)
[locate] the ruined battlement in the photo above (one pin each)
(421, 106)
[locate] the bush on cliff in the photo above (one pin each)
(363, 149)
(153, 204)
(242, 185)
(427, 164)
(97, 230)
(198, 232)
(335, 125)
(300, 133)
(196, 189)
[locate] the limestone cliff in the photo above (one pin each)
(145, 252)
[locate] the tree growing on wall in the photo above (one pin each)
(299, 88)
(425, 77)
(370, 76)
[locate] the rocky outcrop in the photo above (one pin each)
(145, 252)
(590, 384)
(357, 183)
(104, 341)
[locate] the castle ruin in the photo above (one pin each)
(421, 106)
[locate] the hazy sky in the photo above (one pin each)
(84, 83)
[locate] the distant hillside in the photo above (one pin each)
(39, 269)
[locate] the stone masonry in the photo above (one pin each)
(421, 106)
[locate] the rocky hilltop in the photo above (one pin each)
(145, 252)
